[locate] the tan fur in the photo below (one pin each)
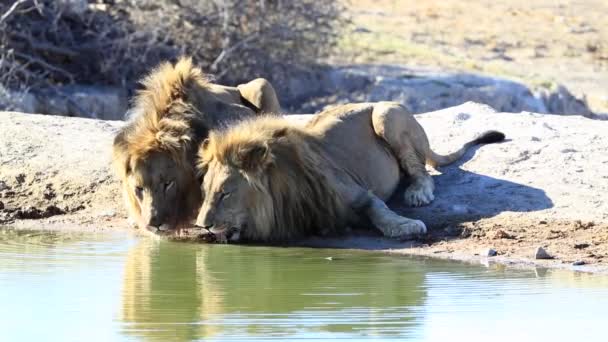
(170, 116)
(269, 180)
(290, 198)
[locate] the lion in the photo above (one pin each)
(267, 180)
(155, 153)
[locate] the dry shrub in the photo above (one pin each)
(44, 43)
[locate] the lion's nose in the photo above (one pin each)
(155, 220)
(205, 219)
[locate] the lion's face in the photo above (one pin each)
(162, 191)
(227, 198)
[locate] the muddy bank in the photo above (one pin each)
(544, 187)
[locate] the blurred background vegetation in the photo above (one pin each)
(46, 46)
(44, 43)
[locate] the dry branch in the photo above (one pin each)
(48, 42)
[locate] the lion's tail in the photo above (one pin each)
(488, 137)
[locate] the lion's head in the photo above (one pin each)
(154, 154)
(263, 183)
(158, 179)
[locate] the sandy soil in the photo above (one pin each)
(537, 42)
(543, 187)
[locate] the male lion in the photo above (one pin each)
(267, 180)
(154, 154)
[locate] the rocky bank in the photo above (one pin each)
(545, 186)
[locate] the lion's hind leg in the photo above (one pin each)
(409, 144)
(262, 95)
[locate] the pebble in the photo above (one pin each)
(489, 252)
(107, 214)
(1, 205)
(578, 263)
(501, 234)
(541, 253)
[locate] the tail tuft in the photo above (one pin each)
(489, 137)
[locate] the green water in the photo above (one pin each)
(84, 287)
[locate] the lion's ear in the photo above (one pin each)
(205, 144)
(250, 158)
(279, 133)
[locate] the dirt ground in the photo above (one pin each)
(540, 42)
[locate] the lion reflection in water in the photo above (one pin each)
(210, 290)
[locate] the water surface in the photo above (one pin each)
(86, 287)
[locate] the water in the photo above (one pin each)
(84, 287)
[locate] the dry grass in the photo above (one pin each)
(538, 42)
(52, 42)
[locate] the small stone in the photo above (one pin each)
(329, 258)
(20, 178)
(578, 263)
(452, 230)
(107, 214)
(581, 245)
(460, 209)
(501, 234)
(462, 117)
(541, 253)
(1, 205)
(489, 252)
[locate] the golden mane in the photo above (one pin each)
(282, 163)
(162, 115)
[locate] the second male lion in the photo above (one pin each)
(154, 153)
(268, 180)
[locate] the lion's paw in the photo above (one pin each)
(417, 195)
(403, 228)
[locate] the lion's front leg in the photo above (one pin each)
(390, 223)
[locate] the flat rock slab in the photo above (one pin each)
(549, 166)
(545, 185)
(53, 161)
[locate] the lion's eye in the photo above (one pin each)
(139, 192)
(224, 195)
(169, 185)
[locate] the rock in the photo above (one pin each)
(490, 252)
(581, 245)
(303, 85)
(96, 102)
(68, 153)
(18, 100)
(501, 234)
(541, 254)
(77, 7)
(423, 90)
(1, 205)
(559, 100)
(434, 92)
(452, 230)
(578, 263)
(107, 214)
(519, 181)
(460, 208)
